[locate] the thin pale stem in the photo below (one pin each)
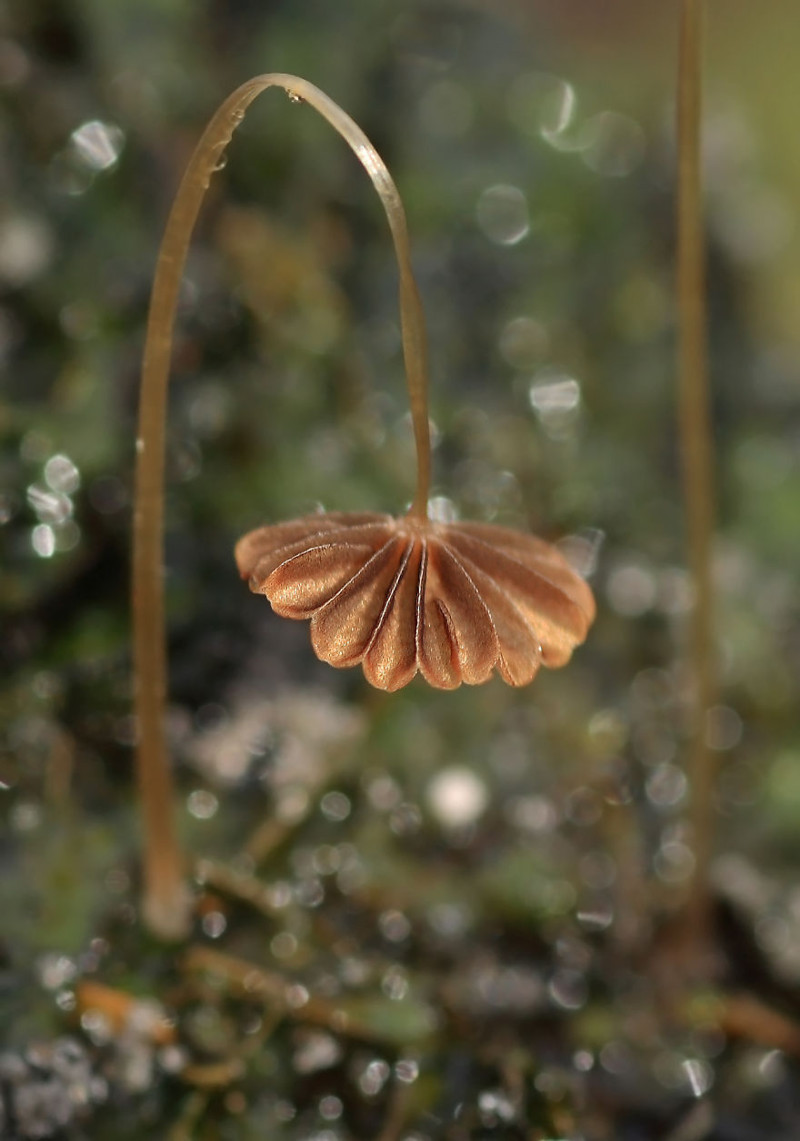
(166, 905)
(697, 457)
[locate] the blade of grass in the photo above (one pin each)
(696, 444)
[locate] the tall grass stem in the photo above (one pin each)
(697, 454)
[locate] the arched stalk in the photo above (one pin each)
(166, 904)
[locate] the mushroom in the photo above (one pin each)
(452, 601)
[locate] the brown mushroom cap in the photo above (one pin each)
(453, 601)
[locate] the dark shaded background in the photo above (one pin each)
(510, 854)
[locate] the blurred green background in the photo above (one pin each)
(539, 831)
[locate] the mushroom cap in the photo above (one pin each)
(454, 601)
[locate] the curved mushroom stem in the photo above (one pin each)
(166, 903)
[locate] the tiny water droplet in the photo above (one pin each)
(294, 97)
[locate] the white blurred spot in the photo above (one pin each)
(406, 819)
(533, 813)
(616, 1057)
(202, 804)
(210, 409)
(394, 983)
(61, 474)
(26, 816)
(50, 506)
(330, 1108)
(596, 918)
(674, 861)
(457, 797)
(406, 1070)
(568, 989)
(450, 920)
(384, 793)
(374, 1077)
(675, 591)
(68, 535)
(523, 342)
(335, 806)
(558, 393)
(502, 214)
(214, 924)
(98, 144)
(699, 1075)
(296, 996)
(279, 894)
(442, 510)
(612, 144)
(543, 104)
(56, 970)
(496, 1106)
(583, 806)
(26, 249)
(723, 728)
(326, 860)
(666, 786)
(283, 945)
(317, 1051)
(43, 541)
(555, 398)
(631, 589)
(772, 1067)
(394, 926)
(582, 551)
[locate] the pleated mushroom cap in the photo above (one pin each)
(454, 601)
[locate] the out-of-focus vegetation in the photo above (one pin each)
(422, 915)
